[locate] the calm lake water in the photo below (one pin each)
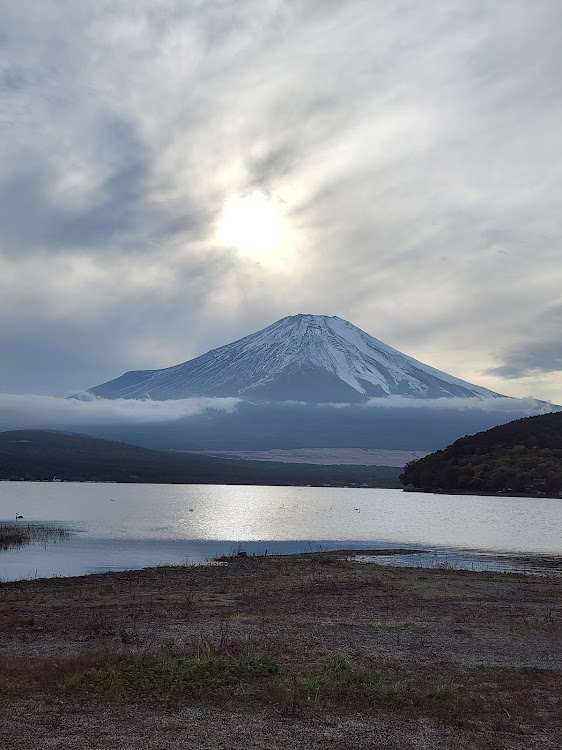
(124, 526)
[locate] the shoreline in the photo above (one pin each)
(541, 564)
(431, 657)
(505, 493)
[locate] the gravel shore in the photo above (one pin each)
(495, 641)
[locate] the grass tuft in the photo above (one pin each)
(343, 681)
(13, 535)
(172, 680)
(250, 674)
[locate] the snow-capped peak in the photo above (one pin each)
(303, 357)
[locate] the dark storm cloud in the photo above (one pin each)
(29, 218)
(13, 78)
(536, 357)
(124, 196)
(541, 354)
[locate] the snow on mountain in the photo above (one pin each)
(301, 357)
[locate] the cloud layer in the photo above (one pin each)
(30, 411)
(413, 153)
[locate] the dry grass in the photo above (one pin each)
(14, 535)
(479, 651)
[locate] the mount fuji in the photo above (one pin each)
(312, 358)
(307, 381)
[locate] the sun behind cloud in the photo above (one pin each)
(252, 224)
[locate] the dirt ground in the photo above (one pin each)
(494, 639)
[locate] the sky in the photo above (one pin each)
(177, 174)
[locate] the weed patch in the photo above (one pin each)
(250, 674)
(173, 680)
(14, 535)
(342, 681)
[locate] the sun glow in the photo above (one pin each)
(252, 224)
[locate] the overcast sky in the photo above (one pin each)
(178, 174)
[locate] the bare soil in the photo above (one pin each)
(495, 639)
(328, 456)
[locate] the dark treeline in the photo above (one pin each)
(524, 456)
(35, 455)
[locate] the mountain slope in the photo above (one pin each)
(38, 455)
(302, 357)
(523, 456)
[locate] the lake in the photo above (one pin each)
(125, 526)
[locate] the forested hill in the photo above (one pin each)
(37, 455)
(524, 456)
